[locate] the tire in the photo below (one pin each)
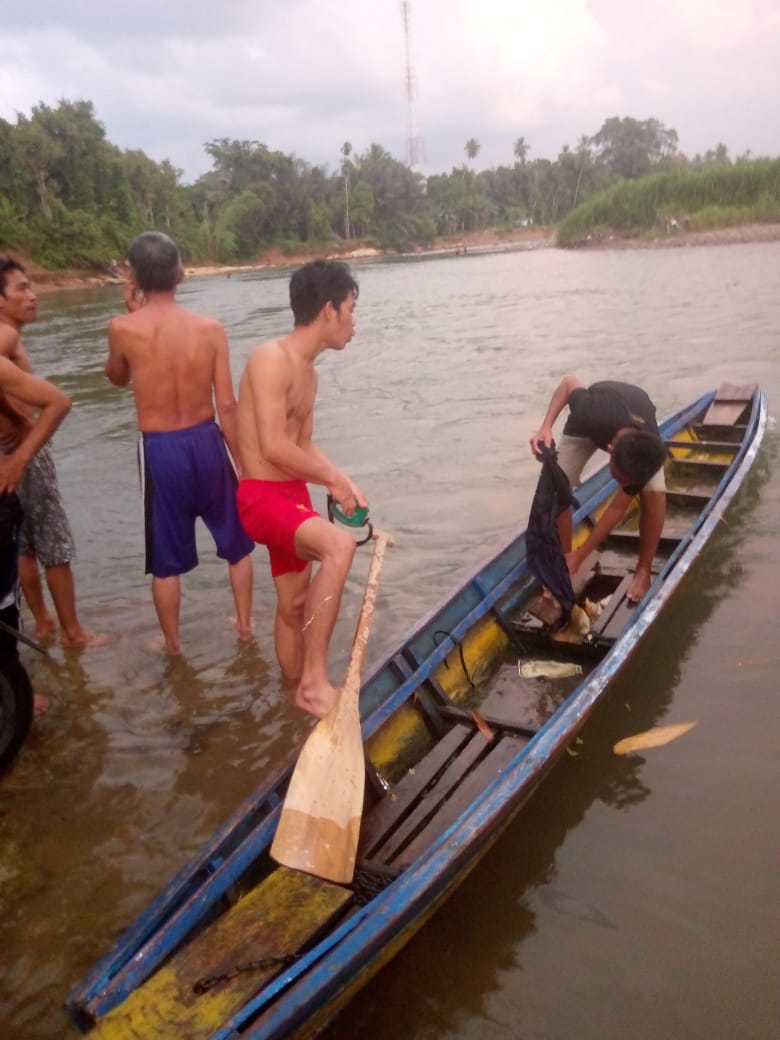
(16, 711)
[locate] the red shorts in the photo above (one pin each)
(271, 511)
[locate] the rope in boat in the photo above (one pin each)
(264, 964)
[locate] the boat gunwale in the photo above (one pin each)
(512, 788)
(520, 777)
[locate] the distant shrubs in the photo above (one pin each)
(714, 196)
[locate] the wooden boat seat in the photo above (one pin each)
(690, 497)
(427, 800)
(274, 921)
(695, 467)
(669, 539)
(616, 614)
(728, 405)
(704, 446)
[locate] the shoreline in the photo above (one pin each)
(472, 243)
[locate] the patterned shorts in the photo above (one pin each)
(45, 528)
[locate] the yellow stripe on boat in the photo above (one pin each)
(272, 920)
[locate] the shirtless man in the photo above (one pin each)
(619, 418)
(46, 535)
(51, 406)
(275, 425)
(179, 366)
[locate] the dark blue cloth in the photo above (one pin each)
(546, 559)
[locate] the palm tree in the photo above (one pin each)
(472, 148)
(521, 150)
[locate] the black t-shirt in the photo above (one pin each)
(602, 409)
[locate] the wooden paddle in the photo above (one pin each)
(319, 825)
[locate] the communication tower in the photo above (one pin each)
(414, 142)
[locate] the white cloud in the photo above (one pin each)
(305, 75)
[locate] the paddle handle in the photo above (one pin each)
(352, 680)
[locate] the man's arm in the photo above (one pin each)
(558, 401)
(53, 406)
(609, 519)
(651, 524)
(224, 395)
(117, 369)
(11, 347)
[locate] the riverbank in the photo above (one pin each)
(678, 237)
(487, 241)
(491, 239)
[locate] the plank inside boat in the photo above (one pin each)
(272, 922)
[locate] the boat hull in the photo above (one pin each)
(459, 771)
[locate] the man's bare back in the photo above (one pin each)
(176, 360)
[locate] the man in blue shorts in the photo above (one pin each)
(618, 418)
(179, 366)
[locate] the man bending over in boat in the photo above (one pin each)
(619, 418)
(275, 426)
(179, 366)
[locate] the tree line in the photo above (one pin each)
(71, 198)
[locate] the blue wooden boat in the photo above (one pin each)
(237, 946)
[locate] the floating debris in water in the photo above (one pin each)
(652, 738)
(548, 669)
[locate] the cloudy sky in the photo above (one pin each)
(303, 76)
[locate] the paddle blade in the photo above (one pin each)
(652, 738)
(319, 824)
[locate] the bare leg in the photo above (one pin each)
(335, 551)
(166, 593)
(30, 580)
(59, 578)
(241, 583)
(291, 591)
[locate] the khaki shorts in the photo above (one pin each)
(574, 453)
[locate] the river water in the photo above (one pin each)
(635, 896)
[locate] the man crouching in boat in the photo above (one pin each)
(275, 429)
(619, 418)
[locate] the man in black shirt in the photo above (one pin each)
(619, 418)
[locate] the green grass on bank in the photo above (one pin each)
(688, 198)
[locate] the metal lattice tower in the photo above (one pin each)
(414, 142)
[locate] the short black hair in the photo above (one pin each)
(317, 283)
(638, 455)
(8, 264)
(155, 261)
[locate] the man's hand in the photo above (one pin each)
(11, 471)
(543, 436)
(348, 496)
(133, 297)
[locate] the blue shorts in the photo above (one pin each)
(186, 474)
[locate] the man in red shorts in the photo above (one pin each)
(275, 425)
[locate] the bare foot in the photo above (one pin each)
(159, 645)
(41, 704)
(317, 700)
(45, 629)
(87, 640)
(244, 633)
